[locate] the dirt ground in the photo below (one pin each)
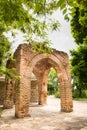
(47, 117)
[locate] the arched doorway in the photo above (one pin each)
(27, 62)
(53, 83)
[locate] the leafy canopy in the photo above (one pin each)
(79, 56)
(31, 17)
(79, 64)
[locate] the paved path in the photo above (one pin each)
(47, 117)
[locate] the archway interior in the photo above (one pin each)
(28, 62)
(42, 70)
(53, 83)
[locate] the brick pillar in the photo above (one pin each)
(9, 93)
(34, 91)
(22, 97)
(66, 96)
(44, 93)
(43, 98)
(43, 90)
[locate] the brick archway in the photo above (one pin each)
(27, 62)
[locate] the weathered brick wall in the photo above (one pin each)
(28, 62)
(2, 90)
(34, 91)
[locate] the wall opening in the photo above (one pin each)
(53, 83)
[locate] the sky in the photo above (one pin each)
(61, 40)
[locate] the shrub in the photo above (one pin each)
(57, 94)
(76, 94)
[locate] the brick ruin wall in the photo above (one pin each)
(2, 90)
(28, 62)
(34, 91)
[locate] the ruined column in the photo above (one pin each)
(40, 102)
(22, 97)
(34, 91)
(9, 93)
(22, 94)
(43, 89)
(23, 90)
(42, 96)
(66, 96)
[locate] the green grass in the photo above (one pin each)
(80, 99)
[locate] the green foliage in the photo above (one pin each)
(80, 99)
(43, 47)
(52, 82)
(64, 7)
(4, 46)
(31, 18)
(68, 7)
(28, 16)
(57, 94)
(4, 52)
(79, 56)
(79, 26)
(79, 66)
(77, 94)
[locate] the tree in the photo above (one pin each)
(52, 81)
(78, 26)
(4, 52)
(79, 68)
(31, 17)
(77, 11)
(79, 32)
